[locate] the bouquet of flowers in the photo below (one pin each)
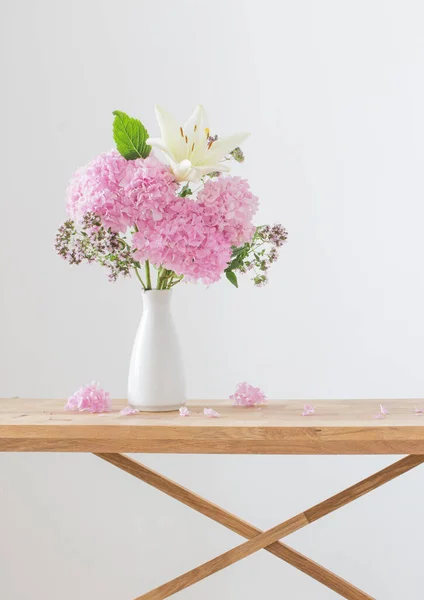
(167, 221)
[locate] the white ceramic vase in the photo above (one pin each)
(156, 378)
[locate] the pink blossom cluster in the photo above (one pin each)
(229, 206)
(247, 395)
(97, 188)
(102, 187)
(191, 236)
(90, 398)
(181, 241)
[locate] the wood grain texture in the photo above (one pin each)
(270, 536)
(338, 427)
(218, 514)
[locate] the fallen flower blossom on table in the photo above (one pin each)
(128, 410)
(382, 414)
(308, 410)
(89, 398)
(247, 395)
(184, 412)
(418, 411)
(210, 412)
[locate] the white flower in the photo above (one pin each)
(191, 151)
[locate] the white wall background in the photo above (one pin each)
(333, 93)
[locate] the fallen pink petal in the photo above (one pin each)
(418, 411)
(89, 398)
(210, 412)
(247, 395)
(128, 410)
(382, 414)
(308, 410)
(184, 412)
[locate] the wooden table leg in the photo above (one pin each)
(267, 538)
(234, 523)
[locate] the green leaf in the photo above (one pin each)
(231, 276)
(235, 264)
(185, 191)
(130, 136)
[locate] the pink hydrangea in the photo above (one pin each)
(150, 186)
(90, 398)
(179, 239)
(229, 206)
(191, 236)
(118, 190)
(247, 395)
(98, 188)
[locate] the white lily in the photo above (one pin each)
(191, 151)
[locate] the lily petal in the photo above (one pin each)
(195, 127)
(182, 170)
(205, 169)
(160, 145)
(224, 146)
(171, 134)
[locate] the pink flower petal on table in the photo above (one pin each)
(210, 412)
(128, 410)
(308, 410)
(382, 414)
(184, 412)
(247, 395)
(418, 411)
(90, 398)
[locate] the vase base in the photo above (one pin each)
(158, 408)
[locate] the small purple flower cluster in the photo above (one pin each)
(93, 243)
(273, 237)
(259, 254)
(275, 234)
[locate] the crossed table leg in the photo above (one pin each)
(257, 539)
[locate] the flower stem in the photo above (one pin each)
(139, 278)
(148, 279)
(175, 281)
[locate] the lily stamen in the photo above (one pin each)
(193, 156)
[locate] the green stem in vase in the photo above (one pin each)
(148, 278)
(164, 279)
(139, 278)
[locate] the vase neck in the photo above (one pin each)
(156, 299)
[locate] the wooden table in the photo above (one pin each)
(337, 427)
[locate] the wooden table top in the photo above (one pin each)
(337, 427)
